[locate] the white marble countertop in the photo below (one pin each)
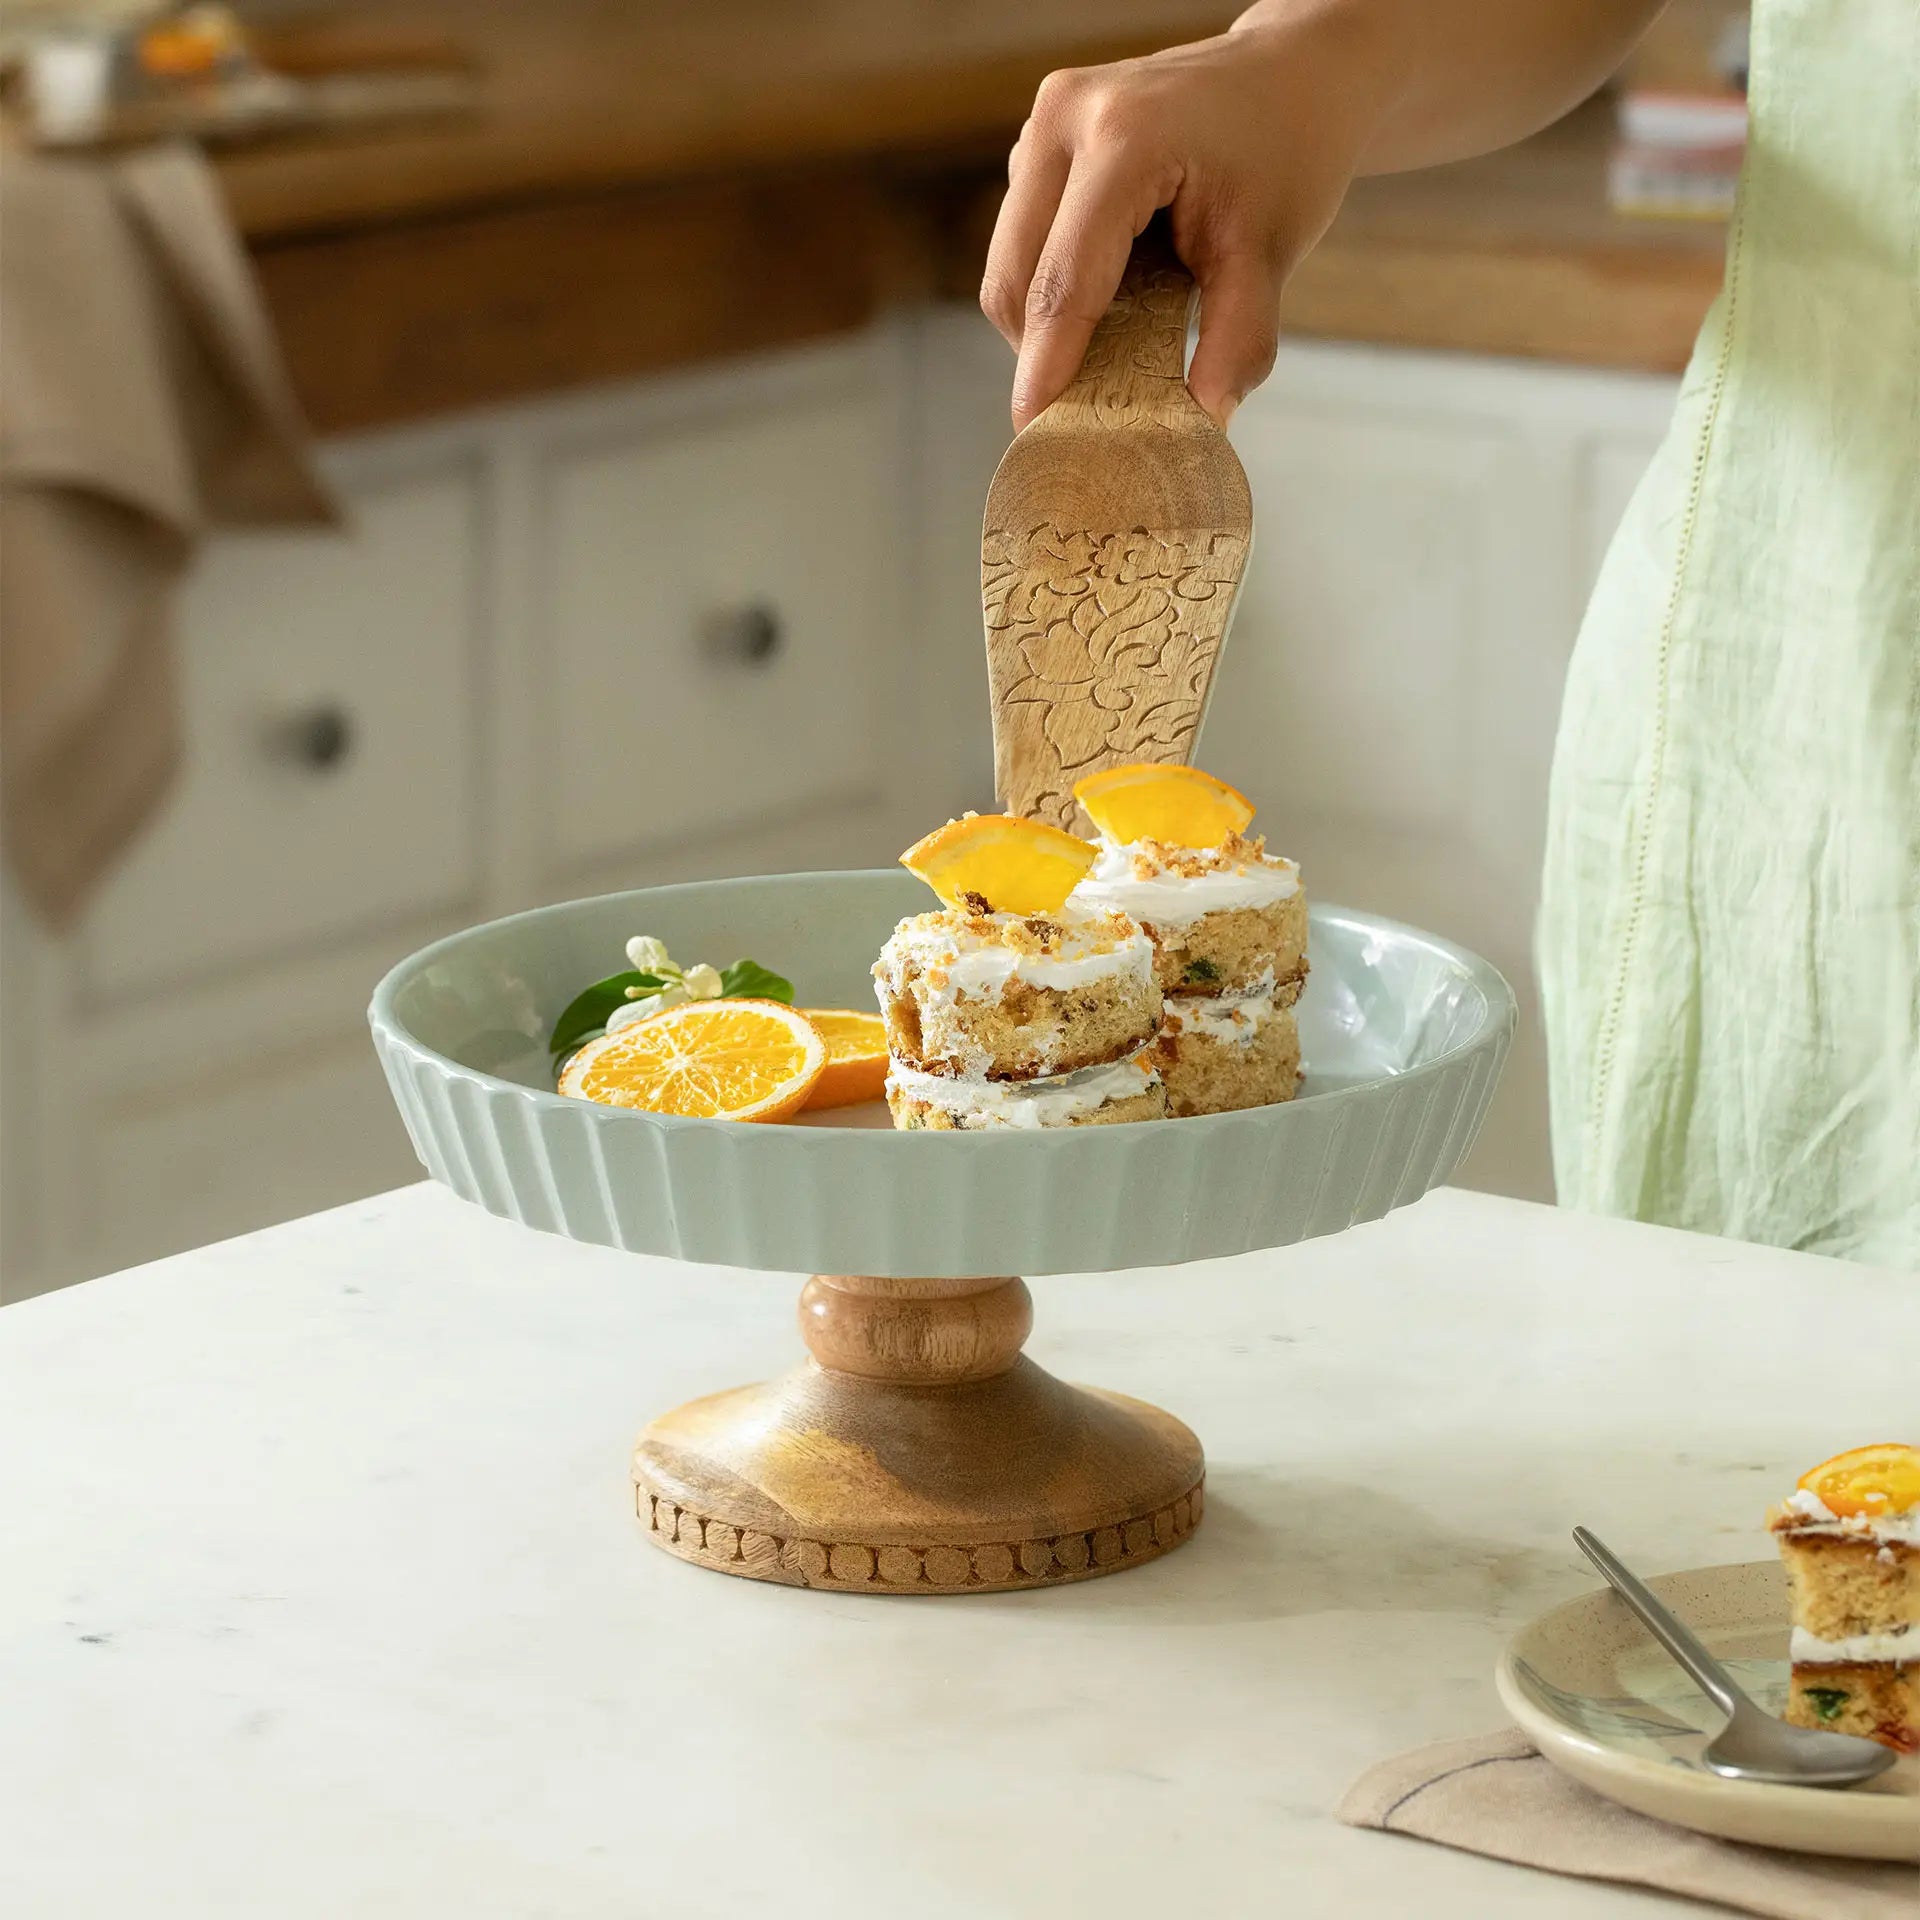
(320, 1591)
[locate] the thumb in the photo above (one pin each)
(1239, 330)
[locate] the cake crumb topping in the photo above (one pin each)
(1035, 936)
(1152, 858)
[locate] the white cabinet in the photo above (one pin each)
(627, 636)
(719, 600)
(330, 779)
(1351, 683)
(283, 1132)
(1427, 528)
(731, 621)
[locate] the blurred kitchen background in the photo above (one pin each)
(639, 348)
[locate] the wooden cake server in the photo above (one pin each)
(1117, 532)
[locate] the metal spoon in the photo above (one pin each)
(1753, 1745)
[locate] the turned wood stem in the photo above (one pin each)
(927, 1333)
(917, 1451)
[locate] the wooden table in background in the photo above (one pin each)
(645, 188)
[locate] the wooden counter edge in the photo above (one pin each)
(414, 320)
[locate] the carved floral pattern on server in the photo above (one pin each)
(1107, 642)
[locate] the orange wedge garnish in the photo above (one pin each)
(998, 863)
(1178, 806)
(707, 1060)
(1868, 1481)
(856, 1057)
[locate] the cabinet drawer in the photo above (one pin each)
(329, 688)
(282, 1134)
(718, 607)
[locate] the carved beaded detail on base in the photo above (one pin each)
(853, 1567)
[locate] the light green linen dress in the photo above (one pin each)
(1730, 936)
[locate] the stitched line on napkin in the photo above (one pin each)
(1453, 1773)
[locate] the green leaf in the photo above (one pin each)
(749, 980)
(589, 1012)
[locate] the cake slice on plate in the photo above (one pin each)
(1849, 1534)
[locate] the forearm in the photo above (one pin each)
(1439, 80)
(1250, 140)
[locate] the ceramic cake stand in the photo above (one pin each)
(918, 1450)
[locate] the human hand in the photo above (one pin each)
(1250, 140)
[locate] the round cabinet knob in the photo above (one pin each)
(318, 738)
(750, 635)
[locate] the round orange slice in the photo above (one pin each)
(708, 1060)
(999, 863)
(1178, 806)
(1868, 1481)
(856, 1057)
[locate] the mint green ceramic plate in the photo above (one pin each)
(1403, 1036)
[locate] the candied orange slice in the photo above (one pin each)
(708, 1060)
(856, 1057)
(1868, 1481)
(1178, 806)
(998, 863)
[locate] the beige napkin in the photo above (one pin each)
(1496, 1795)
(142, 399)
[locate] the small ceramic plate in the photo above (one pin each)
(1590, 1688)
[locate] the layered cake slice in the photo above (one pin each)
(1228, 924)
(1220, 1052)
(1005, 996)
(1008, 1008)
(1849, 1535)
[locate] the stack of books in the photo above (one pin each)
(1679, 147)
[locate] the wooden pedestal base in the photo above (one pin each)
(917, 1452)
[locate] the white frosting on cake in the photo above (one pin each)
(1025, 1103)
(1133, 878)
(1811, 1514)
(976, 965)
(1232, 1018)
(1900, 1645)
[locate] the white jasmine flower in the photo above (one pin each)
(645, 954)
(639, 1009)
(702, 982)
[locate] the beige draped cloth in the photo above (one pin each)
(142, 400)
(1496, 1795)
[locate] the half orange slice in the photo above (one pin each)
(1868, 1481)
(706, 1060)
(1178, 806)
(1000, 863)
(856, 1057)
